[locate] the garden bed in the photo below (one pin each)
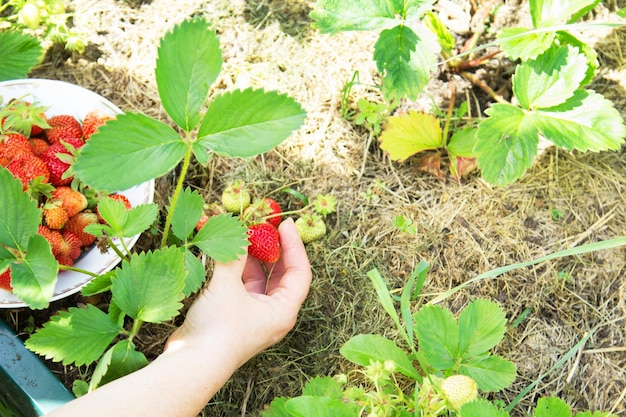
(463, 228)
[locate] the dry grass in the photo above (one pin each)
(462, 229)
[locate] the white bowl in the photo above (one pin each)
(66, 98)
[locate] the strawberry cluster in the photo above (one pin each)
(39, 152)
(262, 216)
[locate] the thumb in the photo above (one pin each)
(229, 274)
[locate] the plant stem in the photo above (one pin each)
(117, 250)
(82, 271)
(446, 126)
(136, 326)
(179, 187)
(477, 81)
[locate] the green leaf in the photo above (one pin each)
(524, 44)
(150, 287)
(437, 333)
(127, 151)
(491, 373)
(222, 238)
(276, 408)
(587, 122)
(79, 335)
(546, 13)
(98, 285)
(189, 61)
(333, 16)
(551, 78)
(552, 407)
(20, 216)
(507, 144)
(306, 406)
(19, 53)
(120, 360)
(186, 213)
(481, 327)
(444, 36)
(595, 414)
(323, 386)
(365, 348)
(196, 274)
(481, 408)
(566, 38)
(410, 133)
(462, 143)
(123, 222)
(34, 278)
(404, 62)
(248, 123)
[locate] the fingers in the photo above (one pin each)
(293, 265)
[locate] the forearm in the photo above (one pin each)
(180, 382)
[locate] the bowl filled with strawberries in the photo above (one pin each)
(43, 124)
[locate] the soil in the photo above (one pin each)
(463, 229)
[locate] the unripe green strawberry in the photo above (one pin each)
(458, 390)
(236, 198)
(264, 242)
(29, 16)
(310, 227)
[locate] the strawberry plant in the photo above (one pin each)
(124, 152)
(443, 371)
(551, 100)
(448, 361)
(47, 20)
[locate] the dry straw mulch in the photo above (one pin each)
(463, 229)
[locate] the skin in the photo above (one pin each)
(234, 318)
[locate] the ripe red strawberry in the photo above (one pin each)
(77, 224)
(28, 167)
(73, 201)
(56, 166)
(122, 198)
(266, 209)
(203, 219)
(38, 145)
(72, 242)
(5, 280)
(264, 242)
(54, 215)
(13, 145)
(63, 127)
(54, 237)
(213, 209)
(92, 121)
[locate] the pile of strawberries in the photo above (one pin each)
(39, 152)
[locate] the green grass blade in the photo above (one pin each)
(560, 362)
(590, 247)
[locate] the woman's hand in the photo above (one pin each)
(244, 308)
